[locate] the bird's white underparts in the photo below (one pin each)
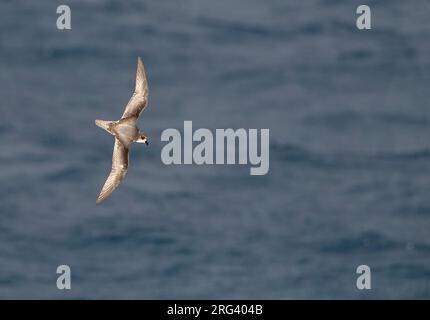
(226, 146)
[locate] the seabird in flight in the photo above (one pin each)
(125, 132)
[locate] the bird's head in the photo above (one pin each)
(142, 139)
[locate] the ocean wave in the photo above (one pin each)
(370, 241)
(301, 155)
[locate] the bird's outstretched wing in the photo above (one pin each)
(118, 172)
(139, 99)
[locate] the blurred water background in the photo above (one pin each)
(349, 124)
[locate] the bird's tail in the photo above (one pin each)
(104, 124)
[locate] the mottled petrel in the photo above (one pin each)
(125, 132)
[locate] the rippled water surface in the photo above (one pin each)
(349, 119)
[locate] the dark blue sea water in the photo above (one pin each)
(349, 119)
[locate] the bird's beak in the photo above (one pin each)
(146, 142)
